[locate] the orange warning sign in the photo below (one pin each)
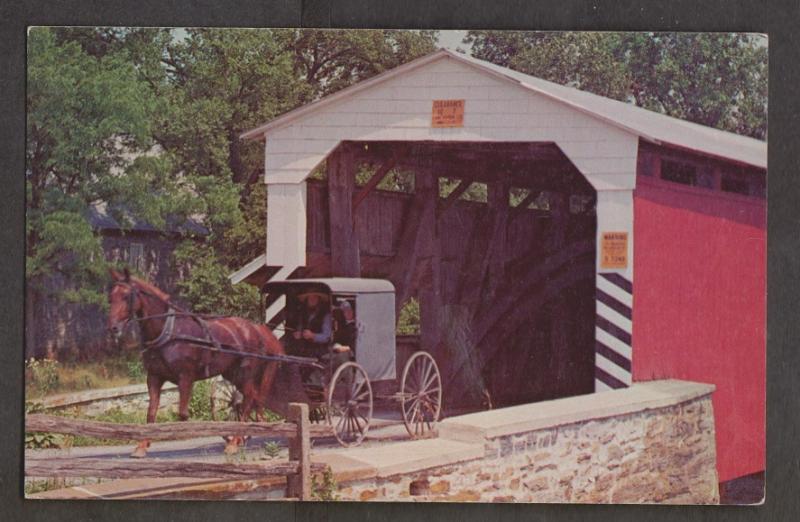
(447, 113)
(614, 250)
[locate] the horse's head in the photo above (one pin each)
(124, 302)
(133, 299)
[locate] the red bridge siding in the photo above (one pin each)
(700, 307)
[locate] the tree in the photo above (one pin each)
(329, 60)
(88, 135)
(83, 116)
(148, 121)
(715, 79)
(225, 81)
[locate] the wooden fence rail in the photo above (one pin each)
(166, 430)
(155, 468)
(297, 470)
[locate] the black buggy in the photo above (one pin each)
(337, 383)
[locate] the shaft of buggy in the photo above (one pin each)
(230, 350)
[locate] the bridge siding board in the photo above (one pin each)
(457, 236)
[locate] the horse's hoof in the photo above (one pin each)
(139, 453)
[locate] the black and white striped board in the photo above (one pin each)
(613, 332)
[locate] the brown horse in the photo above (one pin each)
(170, 355)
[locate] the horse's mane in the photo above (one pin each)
(151, 288)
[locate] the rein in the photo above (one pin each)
(167, 332)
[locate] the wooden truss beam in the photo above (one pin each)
(451, 198)
(530, 198)
(376, 178)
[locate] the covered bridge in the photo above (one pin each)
(527, 291)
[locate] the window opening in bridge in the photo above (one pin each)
(517, 195)
(475, 191)
(408, 318)
(737, 181)
(679, 172)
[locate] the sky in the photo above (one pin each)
(452, 39)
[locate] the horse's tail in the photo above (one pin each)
(271, 343)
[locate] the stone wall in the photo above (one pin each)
(660, 455)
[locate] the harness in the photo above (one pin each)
(209, 343)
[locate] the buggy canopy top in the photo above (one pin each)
(334, 285)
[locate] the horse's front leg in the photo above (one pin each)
(185, 383)
(154, 385)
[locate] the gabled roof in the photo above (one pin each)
(100, 218)
(648, 125)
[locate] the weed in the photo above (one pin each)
(326, 488)
(39, 486)
(272, 449)
(44, 377)
(200, 403)
(136, 372)
(43, 374)
(39, 440)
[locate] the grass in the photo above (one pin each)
(118, 416)
(44, 378)
(55, 378)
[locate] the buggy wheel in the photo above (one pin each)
(421, 394)
(226, 403)
(349, 404)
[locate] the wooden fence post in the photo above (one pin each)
(299, 484)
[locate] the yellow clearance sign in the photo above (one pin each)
(447, 113)
(614, 250)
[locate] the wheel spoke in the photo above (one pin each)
(426, 368)
(352, 423)
(364, 394)
(428, 392)
(339, 426)
(356, 391)
(358, 424)
(430, 379)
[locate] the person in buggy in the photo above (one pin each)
(313, 333)
(344, 331)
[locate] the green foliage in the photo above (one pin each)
(244, 240)
(715, 79)
(408, 320)
(325, 487)
(272, 449)
(136, 371)
(88, 121)
(329, 60)
(207, 287)
(119, 416)
(41, 441)
(42, 374)
(476, 192)
(38, 440)
(200, 402)
(149, 123)
(46, 376)
(39, 486)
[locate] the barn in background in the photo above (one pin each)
(78, 331)
(528, 292)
